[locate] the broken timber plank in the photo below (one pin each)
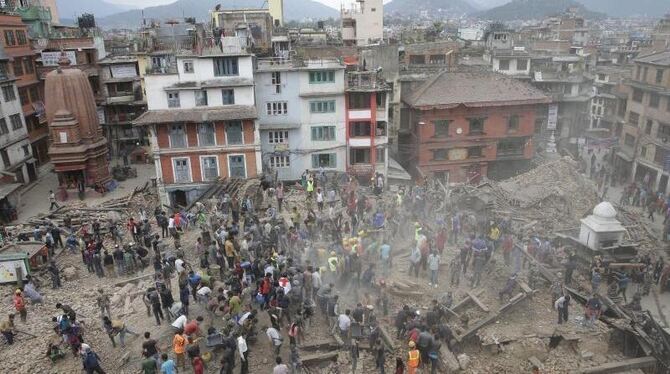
(396, 292)
(525, 287)
(386, 338)
(320, 344)
(465, 301)
(483, 322)
(619, 366)
(478, 302)
(319, 357)
(135, 279)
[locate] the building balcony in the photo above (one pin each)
(121, 98)
(161, 69)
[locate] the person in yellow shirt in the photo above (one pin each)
(179, 347)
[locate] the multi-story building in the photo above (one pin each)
(363, 24)
(18, 164)
(607, 102)
(464, 125)
(202, 119)
(367, 107)
(122, 102)
(301, 115)
(22, 66)
(644, 143)
(514, 62)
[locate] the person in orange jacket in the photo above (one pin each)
(20, 305)
(413, 359)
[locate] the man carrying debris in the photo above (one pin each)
(561, 305)
(509, 288)
(7, 329)
(117, 327)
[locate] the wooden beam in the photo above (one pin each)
(320, 344)
(483, 322)
(478, 302)
(397, 292)
(448, 363)
(625, 365)
(386, 338)
(466, 300)
(525, 287)
(319, 357)
(131, 280)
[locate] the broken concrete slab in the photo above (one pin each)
(620, 366)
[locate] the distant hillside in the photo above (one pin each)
(69, 8)
(534, 9)
(627, 8)
(412, 7)
(293, 10)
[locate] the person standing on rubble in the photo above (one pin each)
(479, 260)
(414, 261)
(20, 305)
(570, 267)
(103, 302)
(561, 305)
(434, 267)
(413, 358)
(54, 272)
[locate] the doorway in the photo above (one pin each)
(179, 198)
(32, 172)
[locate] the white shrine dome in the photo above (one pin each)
(605, 211)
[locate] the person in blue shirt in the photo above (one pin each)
(194, 280)
(168, 366)
(385, 255)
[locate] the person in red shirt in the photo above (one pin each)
(20, 305)
(198, 365)
(441, 239)
(192, 328)
(507, 246)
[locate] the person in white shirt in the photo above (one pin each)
(275, 339)
(243, 350)
(561, 305)
(280, 368)
(180, 322)
(316, 282)
(203, 294)
(171, 227)
(179, 265)
(319, 199)
(344, 323)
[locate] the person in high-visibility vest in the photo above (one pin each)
(310, 187)
(413, 358)
(333, 264)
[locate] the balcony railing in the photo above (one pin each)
(365, 80)
(162, 69)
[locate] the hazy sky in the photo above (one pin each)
(147, 3)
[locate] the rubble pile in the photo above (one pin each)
(554, 194)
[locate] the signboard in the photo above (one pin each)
(458, 154)
(51, 58)
(123, 71)
(552, 117)
(8, 270)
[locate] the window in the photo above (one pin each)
(629, 140)
(359, 100)
(643, 152)
(8, 93)
(173, 100)
(441, 128)
(206, 135)
(225, 66)
(237, 167)
(660, 155)
(182, 171)
(522, 64)
(663, 131)
(9, 38)
(359, 155)
(3, 127)
(436, 59)
(177, 136)
(357, 129)
(5, 158)
(633, 119)
(323, 133)
(645, 70)
(323, 76)
(276, 81)
(18, 67)
(34, 94)
(120, 88)
(654, 100)
(234, 133)
(381, 100)
(277, 137)
(511, 147)
(210, 168)
(647, 128)
(276, 108)
(602, 77)
(15, 119)
(440, 154)
(503, 64)
(475, 152)
(322, 106)
(188, 66)
(26, 150)
(637, 72)
(659, 76)
(381, 155)
(21, 37)
(637, 95)
(23, 96)
(228, 96)
(417, 59)
(476, 126)
(513, 123)
(280, 162)
(201, 98)
(326, 160)
(28, 65)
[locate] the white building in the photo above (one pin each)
(514, 62)
(201, 119)
(301, 115)
(363, 24)
(18, 164)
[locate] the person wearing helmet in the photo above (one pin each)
(413, 358)
(20, 305)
